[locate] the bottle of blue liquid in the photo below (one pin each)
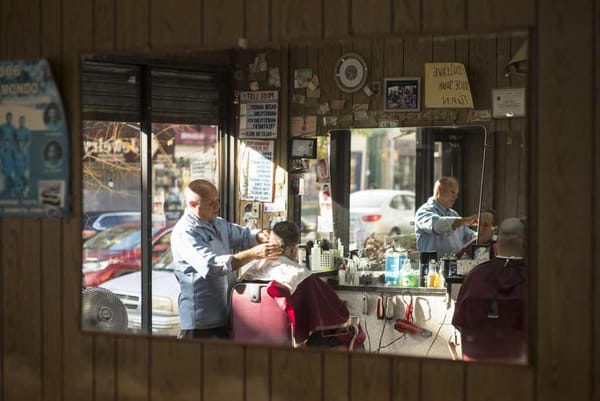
(392, 268)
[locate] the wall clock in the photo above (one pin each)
(350, 72)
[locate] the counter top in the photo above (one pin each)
(375, 287)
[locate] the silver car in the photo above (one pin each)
(165, 293)
(382, 212)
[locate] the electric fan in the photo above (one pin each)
(101, 310)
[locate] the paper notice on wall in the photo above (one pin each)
(256, 170)
(258, 114)
(304, 125)
(447, 86)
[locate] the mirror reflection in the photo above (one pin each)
(371, 236)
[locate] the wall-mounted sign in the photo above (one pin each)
(507, 103)
(34, 146)
(256, 170)
(258, 114)
(447, 86)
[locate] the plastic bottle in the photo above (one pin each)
(432, 275)
(411, 275)
(341, 275)
(392, 267)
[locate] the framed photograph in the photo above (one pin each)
(402, 94)
(303, 148)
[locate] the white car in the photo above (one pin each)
(165, 293)
(382, 212)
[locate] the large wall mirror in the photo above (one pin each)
(345, 139)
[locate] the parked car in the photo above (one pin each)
(382, 212)
(165, 293)
(96, 221)
(117, 251)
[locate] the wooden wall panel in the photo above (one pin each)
(336, 373)
(406, 15)
(51, 234)
(371, 17)
(175, 23)
(176, 370)
(363, 47)
(336, 18)
(563, 364)
(223, 22)
(223, 372)
(257, 383)
(20, 347)
(296, 375)
(104, 24)
(371, 377)
(565, 168)
(444, 15)
(406, 380)
(133, 369)
(442, 380)
(77, 350)
(490, 14)
(257, 21)
(299, 19)
(132, 24)
(596, 195)
(498, 383)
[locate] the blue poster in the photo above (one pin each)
(34, 146)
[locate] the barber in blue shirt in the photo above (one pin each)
(438, 227)
(206, 251)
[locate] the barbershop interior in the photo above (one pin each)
(405, 177)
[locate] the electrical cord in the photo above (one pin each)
(437, 333)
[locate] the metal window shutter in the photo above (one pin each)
(110, 92)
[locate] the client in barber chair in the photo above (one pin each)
(317, 315)
(485, 236)
(490, 308)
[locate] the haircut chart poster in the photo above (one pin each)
(34, 146)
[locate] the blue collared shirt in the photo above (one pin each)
(202, 254)
(433, 228)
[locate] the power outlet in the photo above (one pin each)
(256, 208)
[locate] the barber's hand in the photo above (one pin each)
(267, 250)
(470, 220)
(262, 236)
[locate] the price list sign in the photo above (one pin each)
(258, 114)
(257, 170)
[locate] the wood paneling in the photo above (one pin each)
(39, 330)
(407, 15)
(175, 23)
(299, 19)
(296, 376)
(336, 21)
(172, 364)
(223, 372)
(444, 15)
(257, 21)
(490, 14)
(371, 17)
(223, 22)
(132, 24)
(104, 24)
(565, 173)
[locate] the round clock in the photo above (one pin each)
(350, 72)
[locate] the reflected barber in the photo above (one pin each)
(206, 251)
(438, 227)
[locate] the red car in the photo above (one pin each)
(117, 251)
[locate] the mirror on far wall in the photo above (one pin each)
(388, 119)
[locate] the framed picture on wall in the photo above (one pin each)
(402, 94)
(303, 148)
